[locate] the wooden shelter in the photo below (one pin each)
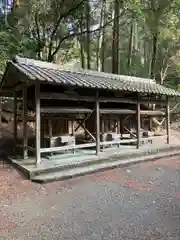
(80, 109)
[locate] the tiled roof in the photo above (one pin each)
(52, 73)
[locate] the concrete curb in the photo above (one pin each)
(72, 173)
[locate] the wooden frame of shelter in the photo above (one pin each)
(40, 83)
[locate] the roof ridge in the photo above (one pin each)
(38, 63)
(45, 64)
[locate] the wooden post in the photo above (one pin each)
(109, 123)
(168, 121)
(102, 129)
(97, 126)
(138, 122)
(102, 125)
(0, 117)
(15, 118)
(25, 140)
(73, 132)
(121, 127)
(43, 131)
(50, 133)
(72, 126)
(38, 124)
(86, 126)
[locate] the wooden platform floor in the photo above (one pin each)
(70, 160)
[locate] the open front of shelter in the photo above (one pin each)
(82, 113)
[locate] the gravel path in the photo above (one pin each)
(141, 202)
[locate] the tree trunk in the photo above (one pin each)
(103, 51)
(100, 39)
(81, 43)
(87, 6)
(154, 52)
(130, 48)
(115, 41)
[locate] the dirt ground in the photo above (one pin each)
(138, 202)
(141, 202)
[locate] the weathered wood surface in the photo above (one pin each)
(131, 134)
(15, 117)
(65, 110)
(138, 122)
(25, 138)
(38, 123)
(168, 121)
(63, 96)
(105, 111)
(97, 126)
(89, 145)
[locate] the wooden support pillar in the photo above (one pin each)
(121, 127)
(72, 126)
(150, 123)
(43, 143)
(168, 121)
(0, 117)
(50, 134)
(109, 123)
(25, 139)
(86, 127)
(73, 133)
(38, 123)
(15, 118)
(138, 122)
(1, 99)
(102, 125)
(97, 126)
(118, 126)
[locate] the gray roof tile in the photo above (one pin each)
(42, 71)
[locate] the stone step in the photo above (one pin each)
(82, 170)
(103, 159)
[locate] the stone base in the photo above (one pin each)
(70, 165)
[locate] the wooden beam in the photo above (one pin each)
(138, 122)
(89, 145)
(68, 147)
(97, 126)
(168, 121)
(15, 118)
(64, 110)
(132, 134)
(17, 87)
(31, 149)
(61, 96)
(83, 121)
(20, 86)
(25, 140)
(38, 124)
(88, 132)
(71, 118)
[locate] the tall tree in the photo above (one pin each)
(100, 39)
(116, 37)
(87, 9)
